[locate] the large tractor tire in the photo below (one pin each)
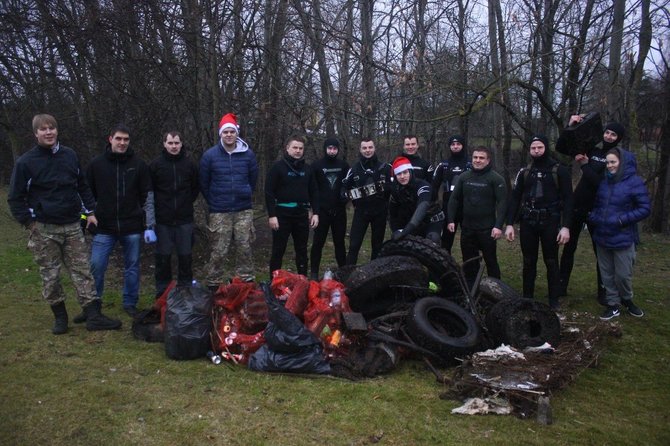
(490, 292)
(523, 323)
(443, 327)
(377, 287)
(442, 267)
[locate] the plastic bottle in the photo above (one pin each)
(328, 275)
(335, 298)
(216, 359)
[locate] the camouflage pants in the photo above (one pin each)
(54, 246)
(226, 229)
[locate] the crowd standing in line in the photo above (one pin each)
(127, 201)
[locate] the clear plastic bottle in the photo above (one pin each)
(328, 275)
(335, 298)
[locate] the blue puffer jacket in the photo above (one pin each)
(621, 202)
(228, 180)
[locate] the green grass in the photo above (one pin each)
(109, 389)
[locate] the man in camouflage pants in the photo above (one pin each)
(46, 195)
(228, 175)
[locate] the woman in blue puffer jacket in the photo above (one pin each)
(621, 202)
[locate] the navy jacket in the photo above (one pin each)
(620, 203)
(228, 180)
(49, 187)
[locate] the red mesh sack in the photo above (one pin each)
(292, 289)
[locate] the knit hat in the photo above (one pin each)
(616, 128)
(228, 121)
(456, 138)
(401, 164)
(543, 139)
(331, 142)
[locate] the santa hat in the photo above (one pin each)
(401, 164)
(229, 121)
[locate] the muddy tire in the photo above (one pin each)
(443, 327)
(373, 288)
(442, 267)
(490, 292)
(523, 323)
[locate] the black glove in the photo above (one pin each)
(398, 235)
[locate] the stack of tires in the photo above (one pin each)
(442, 318)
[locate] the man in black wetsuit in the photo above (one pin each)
(366, 186)
(291, 195)
(329, 172)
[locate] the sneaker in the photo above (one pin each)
(609, 313)
(633, 309)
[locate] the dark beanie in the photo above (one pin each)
(457, 138)
(616, 128)
(331, 142)
(543, 139)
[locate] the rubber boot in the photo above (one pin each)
(184, 270)
(60, 313)
(95, 320)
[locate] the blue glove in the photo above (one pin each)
(149, 236)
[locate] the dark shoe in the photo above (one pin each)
(213, 288)
(60, 313)
(609, 313)
(554, 304)
(95, 320)
(633, 309)
(80, 318)
(130, 311)
(562, 290)
(314, 276)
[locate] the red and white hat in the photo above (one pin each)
(228, 121)
(401, 164)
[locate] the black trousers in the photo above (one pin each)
(297, 227)
(472, 243)
(532, 235)
(336, 221)
(179, 238)
(568, 255)
(448, 236)
(359, 225)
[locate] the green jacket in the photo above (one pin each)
(480, 196)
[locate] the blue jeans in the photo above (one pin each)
(103, 244)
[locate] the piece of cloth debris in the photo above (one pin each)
(483, 406)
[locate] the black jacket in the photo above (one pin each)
(329, 173)
(405, 200)
(120, 183)
(175, 184)
(49, 187)
(290, 188)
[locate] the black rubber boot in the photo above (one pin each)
(95, 320)
(60, 313)
(184, 270)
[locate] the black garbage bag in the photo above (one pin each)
(289, 345)
(188, 322)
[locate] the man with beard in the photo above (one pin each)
(366, 185)
(543, 194)
(444, 176)
(592, 165)
(329, 172)
(291, 195)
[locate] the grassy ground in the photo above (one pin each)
(107, 388)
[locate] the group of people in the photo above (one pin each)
(125, 200)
